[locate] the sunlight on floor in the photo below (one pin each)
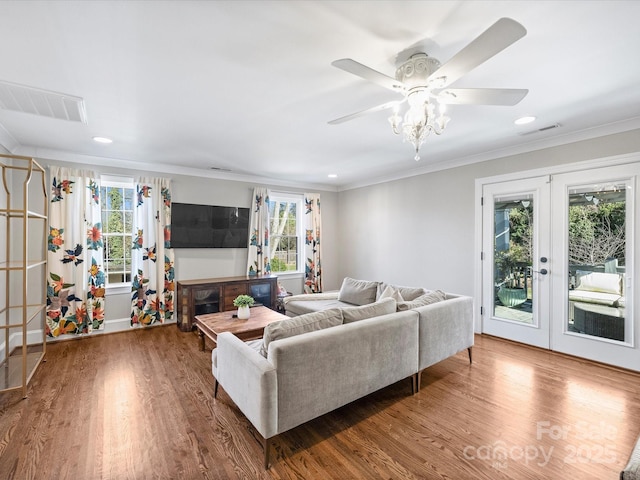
(595, 396)
(121, 413)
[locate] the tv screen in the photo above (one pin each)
(208, 226)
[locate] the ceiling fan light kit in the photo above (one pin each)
(421, 118)
(423, 82)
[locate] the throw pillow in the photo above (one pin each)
(308, 322)
(411, 293)
(358, 292)
(425, 299)
(391, 292)
(381, 307)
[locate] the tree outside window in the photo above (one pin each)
(596, 230)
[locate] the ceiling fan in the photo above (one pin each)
(423, 82)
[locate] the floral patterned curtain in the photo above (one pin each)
(152, 279)
(258, 262)
(75, 275)
(313, 247)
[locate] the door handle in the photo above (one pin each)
(543, 271)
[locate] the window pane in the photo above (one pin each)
(284, 234)
(597, 261)
(127, 241)
(115, 198)
(513, 248)
(117, 203)
(128, 199)
(115, 249)
(116, 277)
(128, 222)
(115, 222)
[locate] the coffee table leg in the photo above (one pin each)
(201, 334)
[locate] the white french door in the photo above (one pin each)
(558, 262)
(515, 260)
(594, 296)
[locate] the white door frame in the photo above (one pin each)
(634, 158)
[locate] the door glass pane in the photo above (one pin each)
(512, 257)
(597, 243)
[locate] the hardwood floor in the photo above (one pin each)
(140, 405)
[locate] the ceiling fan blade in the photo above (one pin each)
(494, 39)
(378, 108)
(482, 96)
(351, 66)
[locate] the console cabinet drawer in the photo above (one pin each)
(235, 289)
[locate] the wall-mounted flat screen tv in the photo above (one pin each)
(208, 226)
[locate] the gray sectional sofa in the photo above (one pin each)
(322, 359)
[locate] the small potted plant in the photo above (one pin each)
(243, 302)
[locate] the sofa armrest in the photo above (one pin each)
(250, 380)
(333, 295)
(445, 328)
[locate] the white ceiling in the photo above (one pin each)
(248, 86)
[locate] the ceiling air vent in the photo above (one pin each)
(543, 129)
(21, 98)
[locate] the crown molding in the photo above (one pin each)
(144, 167)
(540, 144)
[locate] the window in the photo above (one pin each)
(116, 201)
(287, 232)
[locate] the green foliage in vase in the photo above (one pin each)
(243, 301)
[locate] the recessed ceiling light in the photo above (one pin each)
(102, 140)
(524, 120)
(332, 175)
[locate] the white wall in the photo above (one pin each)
(420, 230)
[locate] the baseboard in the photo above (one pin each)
(34, 337)
(110, 326)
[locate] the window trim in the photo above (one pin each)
(298, 198)
(116, 181)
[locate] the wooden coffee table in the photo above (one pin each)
(212, 324)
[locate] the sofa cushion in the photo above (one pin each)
(358, 292)
(308, 322)
(598, 282)
(609, 299)
(381, 307)
(424, 299)
(300, 307)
